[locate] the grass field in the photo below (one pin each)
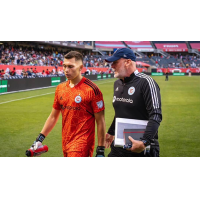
(22, 120)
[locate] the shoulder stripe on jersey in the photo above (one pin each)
(153, 92)
(93, 86)
(152, 88)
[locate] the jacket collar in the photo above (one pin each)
(128, 79)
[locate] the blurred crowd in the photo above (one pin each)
(29, 73)
(176, 60)
(17, 55)
(80, 42)
(29, 56)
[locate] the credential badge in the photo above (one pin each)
(131, 90)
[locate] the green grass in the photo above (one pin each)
(21, 121)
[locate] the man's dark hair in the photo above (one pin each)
(74, 54)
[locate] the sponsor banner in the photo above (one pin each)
(157, 74)
(139, 44)
(98, 76)
(173, 50)
(172, 46)
(109, 75)
(174, 70)
(55, 81)
(145, 50)
(104, 76)
(195, 46)
(109, 44)
(68, 44)
(3, 86)
(178, 74)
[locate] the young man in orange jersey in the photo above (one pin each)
(81, 103)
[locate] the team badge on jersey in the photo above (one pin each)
(78, 99)
(100, 104)
(131, 90)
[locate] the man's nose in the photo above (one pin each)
(66, 69)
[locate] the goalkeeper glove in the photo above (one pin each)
(38, 142)
(100, 151)
(37, 148)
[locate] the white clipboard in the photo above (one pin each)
(124, 123)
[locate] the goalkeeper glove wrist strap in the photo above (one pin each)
(100, 150)
(40, 138)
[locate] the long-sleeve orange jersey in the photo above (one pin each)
(78, 105)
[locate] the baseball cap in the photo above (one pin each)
(121, 53)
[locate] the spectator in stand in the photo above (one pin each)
(28, 72)
(24, 73)
(18, 60)
(35, 71)
(43, 73)
(60, 72)
(47, 72)
(13, 72)
(2, 73)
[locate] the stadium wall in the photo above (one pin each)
(18, 85)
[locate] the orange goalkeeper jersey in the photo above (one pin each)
(78, 105)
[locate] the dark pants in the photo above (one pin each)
(120, 152)
(166, 78)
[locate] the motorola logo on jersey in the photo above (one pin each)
(131, 90)
(69, 107)
(78, 99)
(122, 100)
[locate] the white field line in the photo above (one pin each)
(40, 95)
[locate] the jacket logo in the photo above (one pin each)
(61, 98)
(131, 90)
(122, 100)
(117, 89)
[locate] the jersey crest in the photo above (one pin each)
(78, 99)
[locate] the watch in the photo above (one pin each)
(146, 143)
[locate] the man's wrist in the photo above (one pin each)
(40, 138)
(100, 151)
(146, 142)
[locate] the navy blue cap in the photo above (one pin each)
(121, 53)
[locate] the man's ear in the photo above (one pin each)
(128, 62)
(81, 67)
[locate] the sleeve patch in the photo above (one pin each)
(100, 104)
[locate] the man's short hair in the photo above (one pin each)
(74, 54)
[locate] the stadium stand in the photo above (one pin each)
(50, 55)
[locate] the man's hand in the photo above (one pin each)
(36, 145)
(100, 151)
(109, 139)
(38, 142)
(137, 146)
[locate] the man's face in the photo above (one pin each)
(119, 68)
(72, 68)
